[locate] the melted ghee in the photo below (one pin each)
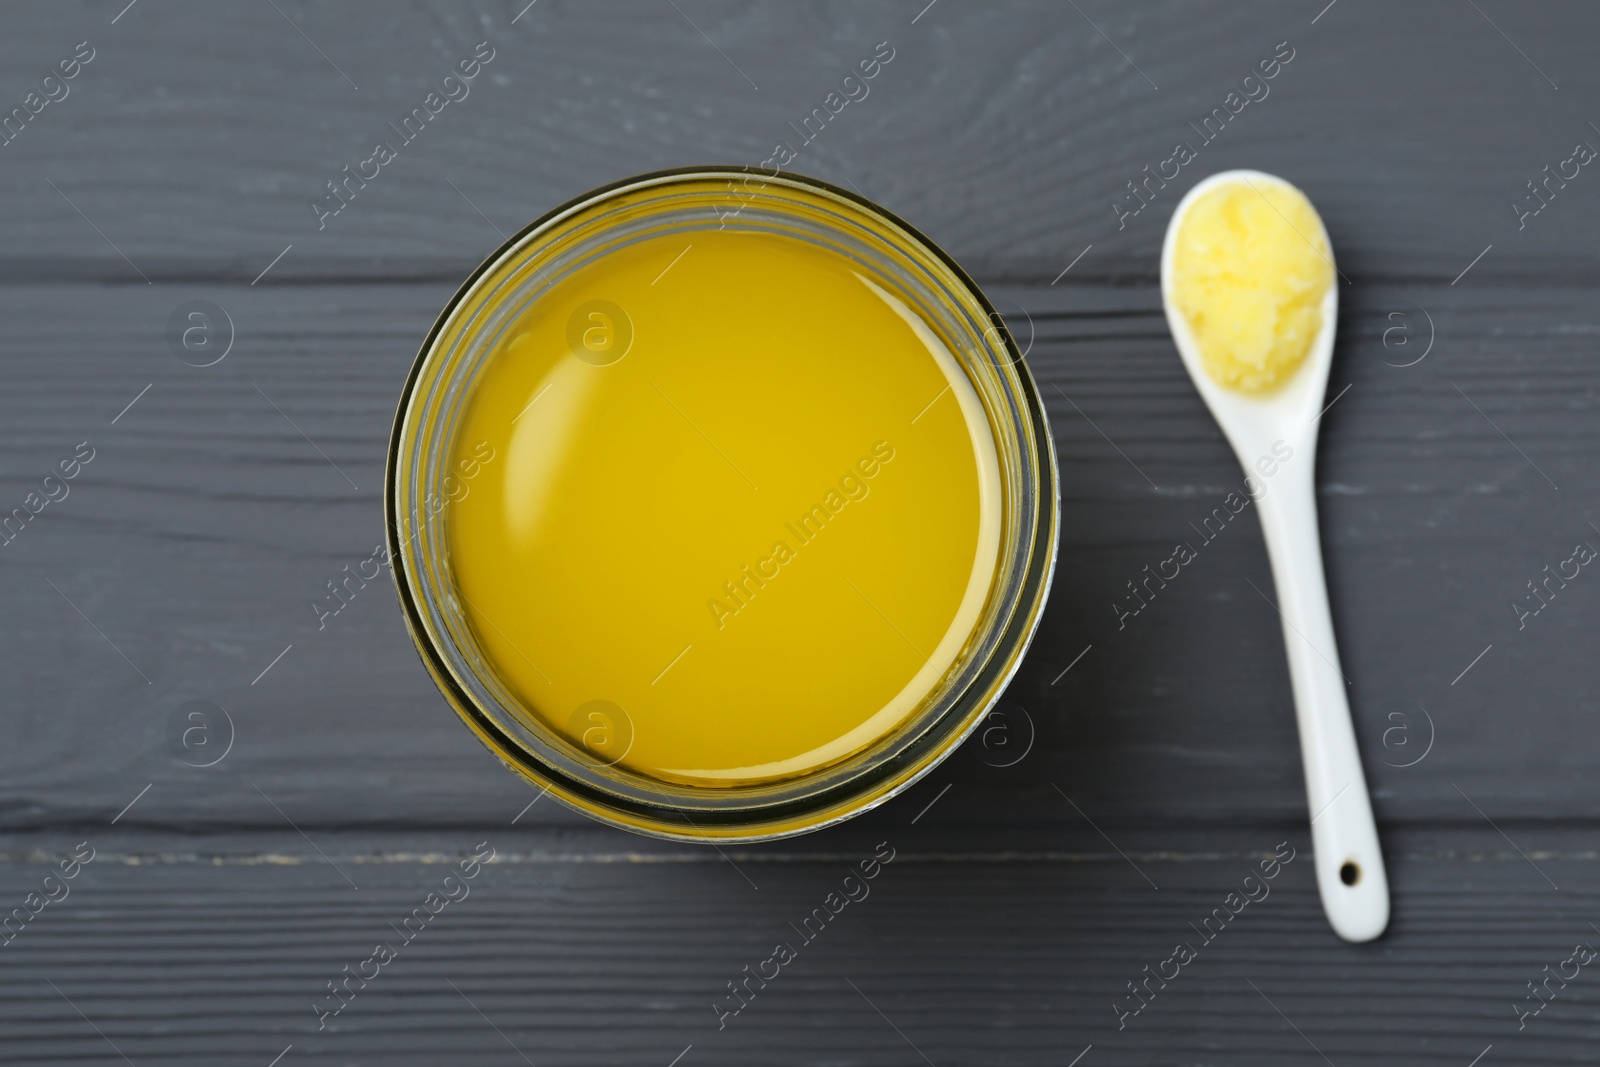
(743, 512)
(1250, 269)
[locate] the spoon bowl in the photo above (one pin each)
(1253, 421)
(1274, 435)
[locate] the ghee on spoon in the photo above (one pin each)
(1247, 278)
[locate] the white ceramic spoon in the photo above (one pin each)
(1349, 862)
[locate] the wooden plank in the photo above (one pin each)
(198, 536)
(198, 961)
(196, 141)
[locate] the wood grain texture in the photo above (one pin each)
(198, 137)
(599, 963)
(199, 536)
(183, 563)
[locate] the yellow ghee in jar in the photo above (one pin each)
(1250, 269)
(741, 510)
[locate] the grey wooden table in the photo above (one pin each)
(174, 574)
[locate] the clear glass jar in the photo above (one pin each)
(682, 202)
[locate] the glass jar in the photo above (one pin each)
(420, 478)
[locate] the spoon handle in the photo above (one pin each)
(1349, 862)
